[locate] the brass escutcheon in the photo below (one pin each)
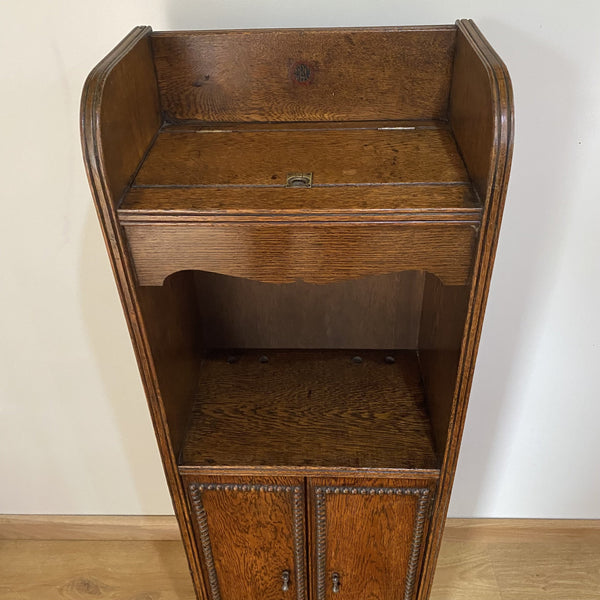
(299, 180)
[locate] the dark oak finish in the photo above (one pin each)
(440, 335)
(188, 140)
(334, 156)
(370, 312)
(310, 408)
(472, 110)
(305, 74)
(172, 314)
(367, 536)
(491, 93)
(119, 119)
(126, 94)
(295, 126)
(342, 203)
(319, 253)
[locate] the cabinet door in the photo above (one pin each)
(367, 537)
(251, 536)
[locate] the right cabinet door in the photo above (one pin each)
(367, 537)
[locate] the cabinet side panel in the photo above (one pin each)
(128, 117)
(472, 113)
(440, 336)
(305, 75)
(171, 320)
(490, 171)
(119, 119)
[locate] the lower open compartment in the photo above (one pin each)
(356, 374)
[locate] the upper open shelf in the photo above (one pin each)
(394, 128)
(204, 189)
(336, 153)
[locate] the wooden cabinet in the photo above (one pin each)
(302, 225)
(366, 535)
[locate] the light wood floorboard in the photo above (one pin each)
(130, 558)
(93, 527)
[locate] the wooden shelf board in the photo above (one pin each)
(362, 171)
(336, 156)
(344, 203)
(308, 409)
(193, 125)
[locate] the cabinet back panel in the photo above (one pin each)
(305, 75)
(371, 312)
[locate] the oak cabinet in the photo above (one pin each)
(366, 536)
(302, 226)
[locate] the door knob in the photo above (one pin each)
(335, 583)
(285, 581)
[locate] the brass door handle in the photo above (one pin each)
(285, 579)
(335, 583)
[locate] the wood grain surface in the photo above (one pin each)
(305, 74)
(486, 559)
(369, 533)
(127, 114)
(172, 322)
(310, 409)
(103, 570)
(441, 330)
(370, 312)
(314, 253)
(89, 527)
(335, 203)
(497, 79)
(473, 113)
(250, 530)
(230, 126)
(117, 121)
(333, 156)
(367, 422)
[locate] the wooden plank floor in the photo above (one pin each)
(76, 558)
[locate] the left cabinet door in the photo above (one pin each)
(250, 534)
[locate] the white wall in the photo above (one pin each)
(74, 433)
